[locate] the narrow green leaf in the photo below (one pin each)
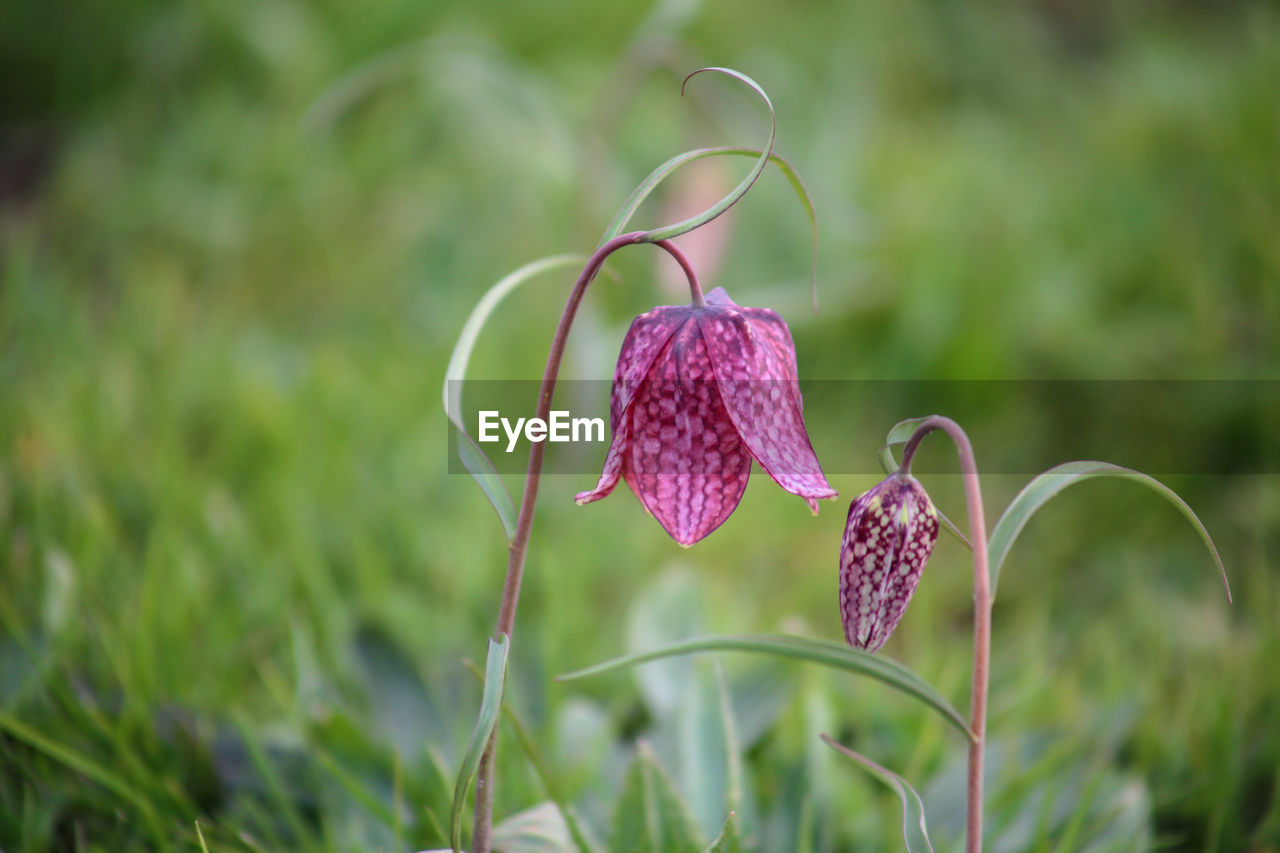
(473, 458)
(457, 369)
(826, 653)
(1051, 482)
(495, 671)
(903, 430)
(899, 434)
(651, 817)
(687, 225)
(914, 832)
(481, 469)
(727, 832)
(83, 765)
(540, 767)
(204, 848)
(658, 175)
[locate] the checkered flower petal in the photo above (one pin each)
(755, 365)
(685, 461)
(888, 538)
(698, 393)
(647, 337)
(645, 341)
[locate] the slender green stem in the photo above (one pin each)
(981, 610)
(524, 524)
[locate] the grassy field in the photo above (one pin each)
(238, 584)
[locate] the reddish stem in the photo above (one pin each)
(981, 610)
(524, 523)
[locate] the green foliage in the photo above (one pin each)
(651, 816)
(238, 578)
(1044, 486)
(455, 374)
(915, 832)
(495, 674)
(826, 653)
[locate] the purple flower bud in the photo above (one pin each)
(887, 540)
(698, 393)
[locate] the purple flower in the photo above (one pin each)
(698, 393)
(887, 540)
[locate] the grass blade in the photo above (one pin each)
(1044, 486)
(826, 653)
(914, 832)
(495, 671)
(726, 834)
(85, 766)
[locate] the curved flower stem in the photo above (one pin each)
(981, 610)
(524, 524)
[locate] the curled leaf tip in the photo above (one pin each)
(687, 225)
(685, 82)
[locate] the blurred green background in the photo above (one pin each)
(238, 240)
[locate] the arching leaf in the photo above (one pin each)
(826, 653)
(1038, 492)
(473, 458)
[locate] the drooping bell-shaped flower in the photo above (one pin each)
(887, 540)
(700, 391)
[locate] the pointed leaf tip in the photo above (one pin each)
(914, 831)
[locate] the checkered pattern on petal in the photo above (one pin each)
(694, 402)
(647, 337)
(754, 362)
(889, 535)
(645, 340)
(685, 460)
